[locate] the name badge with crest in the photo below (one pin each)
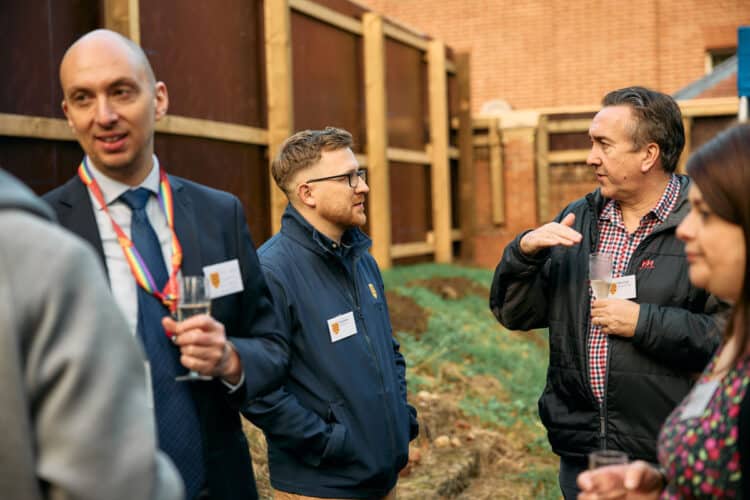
(224, 278)
(342, 326)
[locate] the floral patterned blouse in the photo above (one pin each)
(698, 446)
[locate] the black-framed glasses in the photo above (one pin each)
(352, 177)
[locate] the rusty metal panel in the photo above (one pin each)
(411, 202)
(35, 35)
(706, 128)
(406, 95)
(41, 164)
(210, 57)
(240, 169)
(328, 78)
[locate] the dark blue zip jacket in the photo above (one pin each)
(340, 426)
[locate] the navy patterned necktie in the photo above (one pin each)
(176, 416)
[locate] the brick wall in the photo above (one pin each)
(539, 53)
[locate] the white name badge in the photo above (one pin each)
(622, 288)
(223, 278)
(698, 399)
(342, 326)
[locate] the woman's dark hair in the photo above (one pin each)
(721, 170)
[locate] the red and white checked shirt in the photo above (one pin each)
(614, 239)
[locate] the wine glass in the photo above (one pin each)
(193, 300)
(600, 273)
(602, 458)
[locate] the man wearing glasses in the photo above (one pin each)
(340, 427)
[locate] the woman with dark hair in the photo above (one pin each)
(704, 445)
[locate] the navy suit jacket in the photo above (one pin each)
(211, 227)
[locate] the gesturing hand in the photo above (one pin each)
(551, 234)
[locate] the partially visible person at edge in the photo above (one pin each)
(74, 409)
(147, 228)
(341, 425)
(619, 365)
(704, 445)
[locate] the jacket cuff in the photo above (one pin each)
(528, 260)
(641, 327)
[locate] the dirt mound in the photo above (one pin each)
(451, 288)
(406, 314)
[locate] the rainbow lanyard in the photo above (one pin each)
(142, 276)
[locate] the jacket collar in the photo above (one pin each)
(596, 202)
(353, 242)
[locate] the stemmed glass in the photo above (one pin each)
(194, 300)
(600, 273)
(602, 458)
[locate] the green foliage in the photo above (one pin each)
(464, 331)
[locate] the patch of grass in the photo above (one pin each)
(464, 332)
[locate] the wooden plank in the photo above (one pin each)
(717, 106)
(123, 17)
(328, 16)
(572, 125)
(497, 180)
(408, 156)
(440, 171)
(542, 169)
(406, 37)
(453, 153)
(483, 122)
(40, 127)
(37, 127)
(279, 88)
(481, 141)
(400, 250)
(687, 124)
(465, 150)
(378, 176)
(568, 156)
(195, 127)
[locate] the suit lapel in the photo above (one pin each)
(185, 225)
(77, 214)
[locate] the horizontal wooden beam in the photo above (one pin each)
(720, 106)
(400, 250)
(453, 153)
(413, 249)
(37, 127)
(568, 156)
(408, 156)
(406, 37)
(209, 129)
(327, 15)
(572, 125)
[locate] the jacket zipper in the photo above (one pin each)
(373, 352)
(637, 251)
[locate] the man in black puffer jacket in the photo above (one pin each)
(617, 365)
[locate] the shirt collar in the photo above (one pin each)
(112, 189)
(662, 209)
